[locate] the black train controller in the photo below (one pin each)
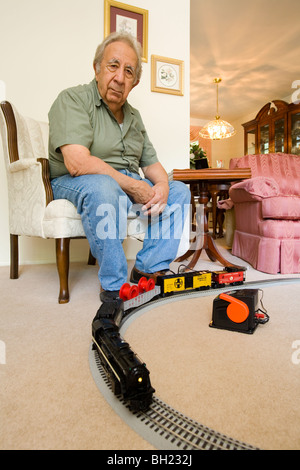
(238, 310)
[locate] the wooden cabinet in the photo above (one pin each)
(276, 128)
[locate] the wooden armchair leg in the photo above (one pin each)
(14, 256)
(62, 262)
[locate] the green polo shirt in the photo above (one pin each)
(80, 116)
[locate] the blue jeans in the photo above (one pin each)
(103, 207)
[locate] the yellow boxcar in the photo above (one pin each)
(185, 281)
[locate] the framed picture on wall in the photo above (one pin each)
(166, 75)
(121, 17)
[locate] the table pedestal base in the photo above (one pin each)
(211, 250)
(200, 180)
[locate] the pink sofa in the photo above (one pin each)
(267, 211)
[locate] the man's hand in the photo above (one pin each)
(140, 191)
(159, 201)
(157, 174)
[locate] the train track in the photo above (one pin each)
(162, 425)
(185, 433)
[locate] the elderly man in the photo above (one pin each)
(97, 145)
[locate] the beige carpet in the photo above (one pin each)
(244, 386)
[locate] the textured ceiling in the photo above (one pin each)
(254, 46)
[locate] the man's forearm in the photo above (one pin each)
(79, 161)
(156, 173)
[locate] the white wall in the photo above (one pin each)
(47, 46)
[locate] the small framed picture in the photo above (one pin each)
(166, 75)
(121, 17)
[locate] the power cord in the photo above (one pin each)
(261, 317)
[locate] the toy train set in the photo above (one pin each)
(186, 281)
(127, 374)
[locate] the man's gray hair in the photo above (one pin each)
(122, 37)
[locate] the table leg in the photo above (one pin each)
(204, 241)
(214, 198)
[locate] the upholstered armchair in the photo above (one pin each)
(267, 212)
(32, 209)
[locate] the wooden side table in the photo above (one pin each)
(201, 180)
(215, 191)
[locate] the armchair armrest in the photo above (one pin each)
(29, 164)
(46, 179)
(21, 165)
(254, 189)
(29, 193)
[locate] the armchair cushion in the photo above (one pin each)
(279, 229)
(281, 207)
(254, 189)
(61, 220)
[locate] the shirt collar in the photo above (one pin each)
(97, 96)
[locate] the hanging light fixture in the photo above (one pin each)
(217, 129)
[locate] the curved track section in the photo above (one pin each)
(162, 426)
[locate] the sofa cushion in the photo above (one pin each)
(281, 207)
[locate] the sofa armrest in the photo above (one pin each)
(254, 189)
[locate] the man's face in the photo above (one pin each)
(117, 74)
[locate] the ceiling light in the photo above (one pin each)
(217, 129)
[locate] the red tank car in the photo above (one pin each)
(219, 278)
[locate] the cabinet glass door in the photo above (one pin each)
(264, 139)
(295, 134)
(279, 135)
(250, 143)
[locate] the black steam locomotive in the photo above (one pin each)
(127, 374)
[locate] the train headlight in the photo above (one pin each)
(140, 379)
